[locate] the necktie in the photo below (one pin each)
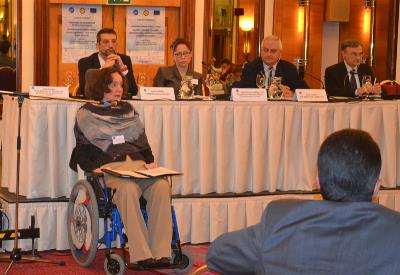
(353, 82)
(270, 76)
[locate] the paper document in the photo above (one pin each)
(156, 172)
(124, 173)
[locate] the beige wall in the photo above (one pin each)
(27, 44)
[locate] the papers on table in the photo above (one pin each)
(142, 174)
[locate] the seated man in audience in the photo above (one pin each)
(270, 64)
(345, 78)
(343, 234)
(107, 56)
(5, 60)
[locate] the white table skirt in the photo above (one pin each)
(199, 220)
(219, 146)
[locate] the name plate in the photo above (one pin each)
(311, 95)
(249, 94)
(49, 91)
(156, 93)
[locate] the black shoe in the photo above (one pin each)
(148, 263)
(163, 262)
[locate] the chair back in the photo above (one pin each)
(8, 79)
(91, 76)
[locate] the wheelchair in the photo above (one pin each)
(91, 200)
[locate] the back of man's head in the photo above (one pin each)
(349, 163)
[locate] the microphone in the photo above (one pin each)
(315, 78)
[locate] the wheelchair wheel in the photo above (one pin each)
(114, 266)
(83, 223)
(186, 264)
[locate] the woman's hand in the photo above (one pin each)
(98, 170)
(151, 165)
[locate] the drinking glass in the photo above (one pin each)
(366, 81)
(68, 79)
(367, 84)
(141, 79)
(260, 81)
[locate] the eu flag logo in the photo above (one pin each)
(156, 12)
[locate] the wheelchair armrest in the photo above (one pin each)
(94, 174)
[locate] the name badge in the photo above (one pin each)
(48, 91)
(156, 93)
(118, 139)
(249, 94)
(195, 81)
(313, 95)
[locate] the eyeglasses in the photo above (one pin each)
(182, 54)
(354, 54)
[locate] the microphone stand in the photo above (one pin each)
(15, 255)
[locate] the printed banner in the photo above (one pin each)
(145, 34)
(80, 24)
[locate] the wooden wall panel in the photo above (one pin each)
(287, 25)
(113, 17)
(156, 3)
(250, 11)
(355, 29)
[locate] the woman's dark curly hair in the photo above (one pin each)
(98, 86)
(178, 42)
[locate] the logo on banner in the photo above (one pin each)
(156, 12)
(135, 12)
(71, 9)
(146, 12)
(82, 10)
(93, 10)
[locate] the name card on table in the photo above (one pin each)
(311, 95)
(48, 92)
(156, 93)
(249, 94)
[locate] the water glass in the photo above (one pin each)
(260, 81)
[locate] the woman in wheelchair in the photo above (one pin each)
(110, 135)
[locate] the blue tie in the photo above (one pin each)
(353, 82)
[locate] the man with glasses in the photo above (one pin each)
(271, 65)
(346, 78)
(107, 56)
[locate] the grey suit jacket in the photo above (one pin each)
(313, 237)
(170, 77)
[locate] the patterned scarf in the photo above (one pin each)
(100, 124)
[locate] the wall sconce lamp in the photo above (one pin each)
(304, 12)
(371, 5)
(246, 25)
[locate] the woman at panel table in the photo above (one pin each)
(171, 76)
(110, 135)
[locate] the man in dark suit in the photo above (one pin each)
(346, 233)
(270, 64)
(107, 56)
(345, 78)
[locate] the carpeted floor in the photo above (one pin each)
(197, 251)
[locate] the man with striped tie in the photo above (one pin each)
(346, 78)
